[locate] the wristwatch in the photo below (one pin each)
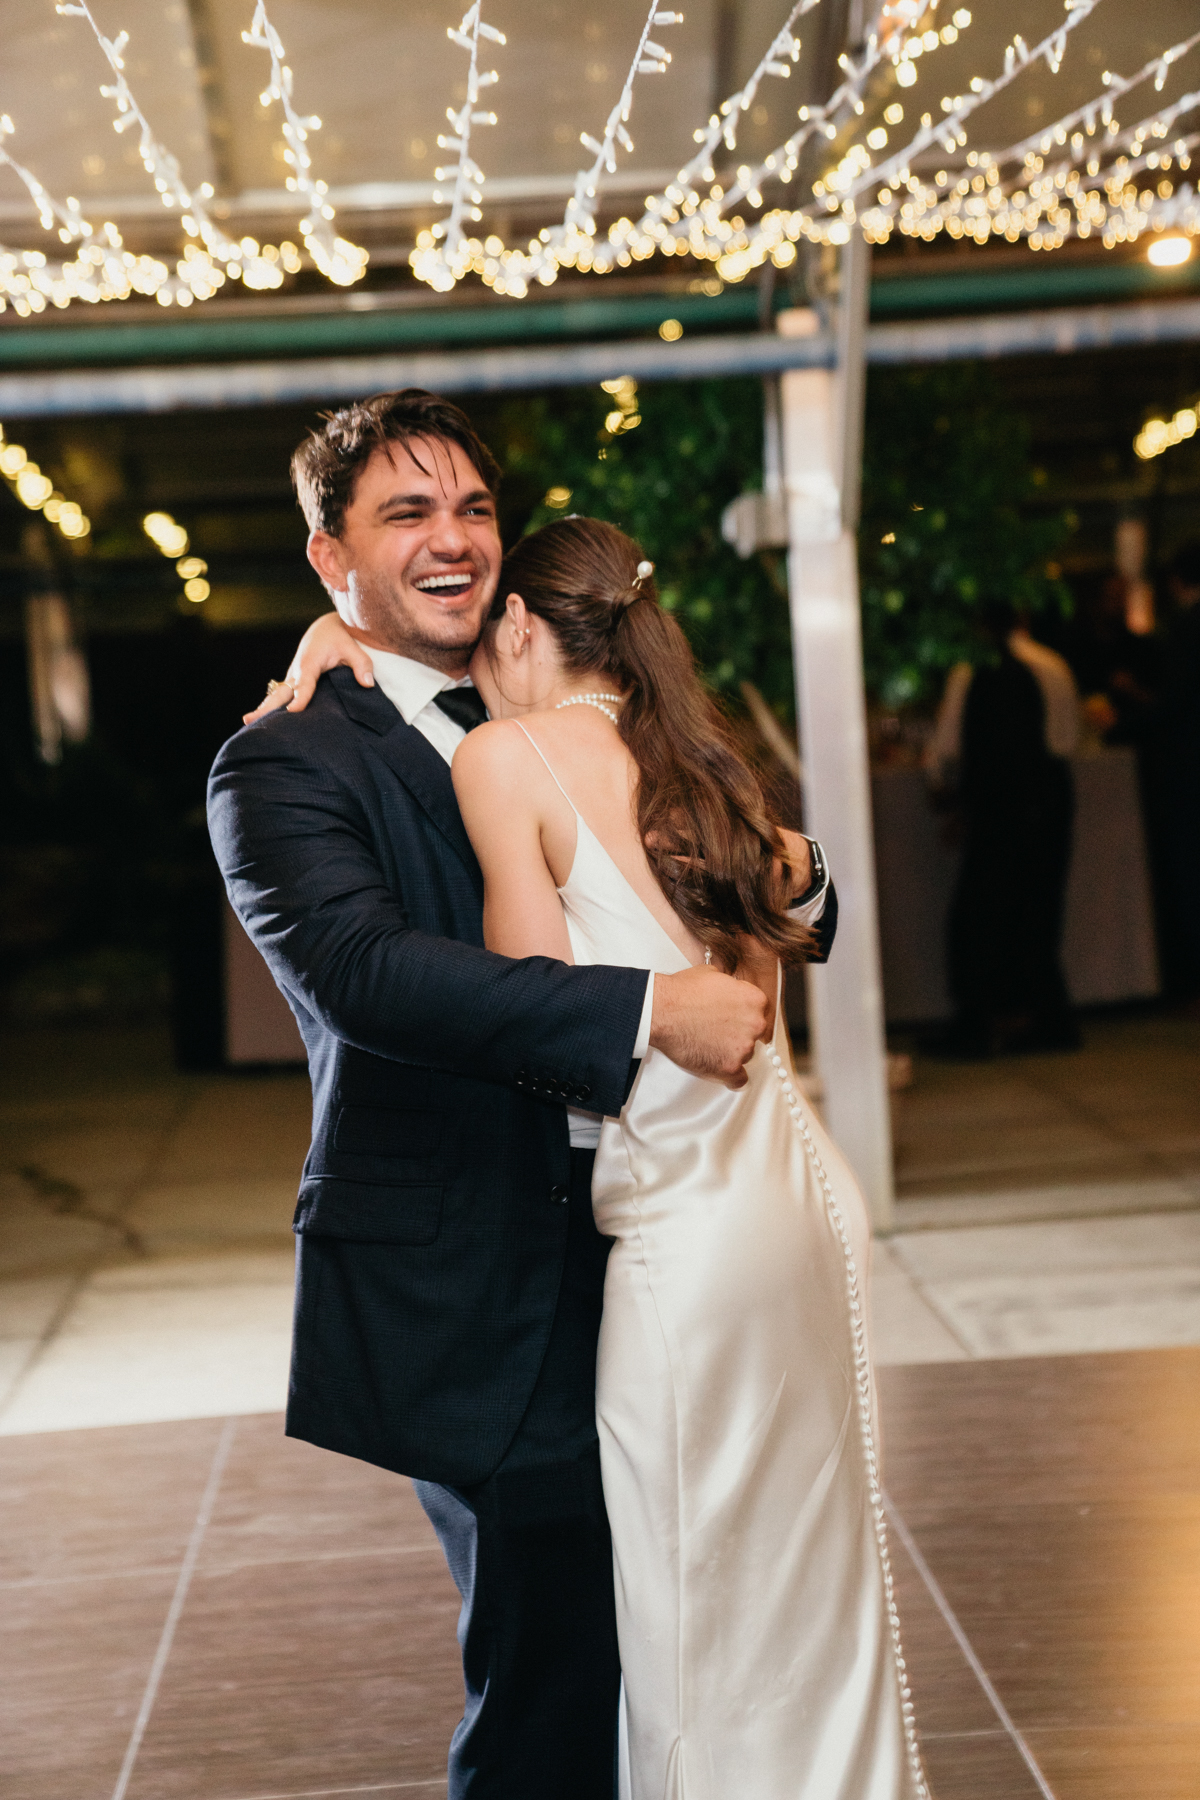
(820, 872)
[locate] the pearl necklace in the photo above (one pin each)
(596, 700)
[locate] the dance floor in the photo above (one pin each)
(202, 1610)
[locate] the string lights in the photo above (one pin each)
(1083, 175)
(38, 492)
(1085, 190)
(578, 223)
(444, 254)
(511, 271)
(199, 273)
(1158, 435)
(172, 539)
(1090, 189)
(338, 260)
(104, 270)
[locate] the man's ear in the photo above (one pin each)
(325, 555)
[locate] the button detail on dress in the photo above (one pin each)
(558, 1195)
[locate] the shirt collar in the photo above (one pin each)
(409, 685)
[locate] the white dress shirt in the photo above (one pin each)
(412, 688)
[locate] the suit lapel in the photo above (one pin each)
(412, 758)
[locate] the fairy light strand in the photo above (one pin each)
(102, 270)
(445, 256)
(1158, 435)
(72, 226)
(257, 269)
(1030, 151)
(947, 132)
(735, 249)
(574, 243)
(37, 492)
(1024, 191)
(775, 233)
(338, 260)
(648, 59)
(510, 271)
(781, 55)
(1015, 206)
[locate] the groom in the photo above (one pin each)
(449, 1274)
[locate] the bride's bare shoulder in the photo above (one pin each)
(491, 755)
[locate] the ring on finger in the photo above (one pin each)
(274, 686)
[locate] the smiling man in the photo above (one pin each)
(449, 1274)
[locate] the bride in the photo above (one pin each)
(615, 822)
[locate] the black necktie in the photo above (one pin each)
(464, 705)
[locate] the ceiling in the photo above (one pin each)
(381, 77)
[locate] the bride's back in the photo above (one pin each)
(588, 769)
(604, 683)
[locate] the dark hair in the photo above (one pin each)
(328, 462)
(700, 809)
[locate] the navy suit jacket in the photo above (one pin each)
(431, 1219)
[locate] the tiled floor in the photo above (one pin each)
(200, 1609)
(146, 1255)
(204, 1610)
(1123, 1111)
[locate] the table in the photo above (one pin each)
(1109, 951)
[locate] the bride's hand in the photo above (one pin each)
(325, 645)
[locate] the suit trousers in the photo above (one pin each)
(531, 1555)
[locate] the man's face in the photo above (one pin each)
(417, 561)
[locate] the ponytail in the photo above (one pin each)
(700, 810)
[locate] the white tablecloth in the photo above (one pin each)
(1108, 948)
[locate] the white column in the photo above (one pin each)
(845, 996)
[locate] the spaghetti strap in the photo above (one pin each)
(554, 778)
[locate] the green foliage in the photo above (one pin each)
(946, 524)
(947, 477)
(666, 482)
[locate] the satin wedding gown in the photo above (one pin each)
(758, 1632)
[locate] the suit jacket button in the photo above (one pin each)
(583, 1091)
(558, 1195)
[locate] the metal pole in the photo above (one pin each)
(821, 436)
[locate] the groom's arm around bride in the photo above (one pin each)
(430, 1213)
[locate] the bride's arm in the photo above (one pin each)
(325, 645)
(522, 913)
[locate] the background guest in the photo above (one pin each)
(1177, 769)
(1006, 726)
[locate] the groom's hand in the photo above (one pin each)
(708, 1023)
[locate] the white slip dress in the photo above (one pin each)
(758, 1632)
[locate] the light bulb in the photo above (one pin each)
(1169, 252)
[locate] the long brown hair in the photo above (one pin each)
(700, 809)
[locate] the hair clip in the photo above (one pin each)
(644, 572)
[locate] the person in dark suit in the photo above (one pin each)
(1175, 809)
(1006, 729)
(449, 1272)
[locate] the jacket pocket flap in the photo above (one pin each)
(363, 1212)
